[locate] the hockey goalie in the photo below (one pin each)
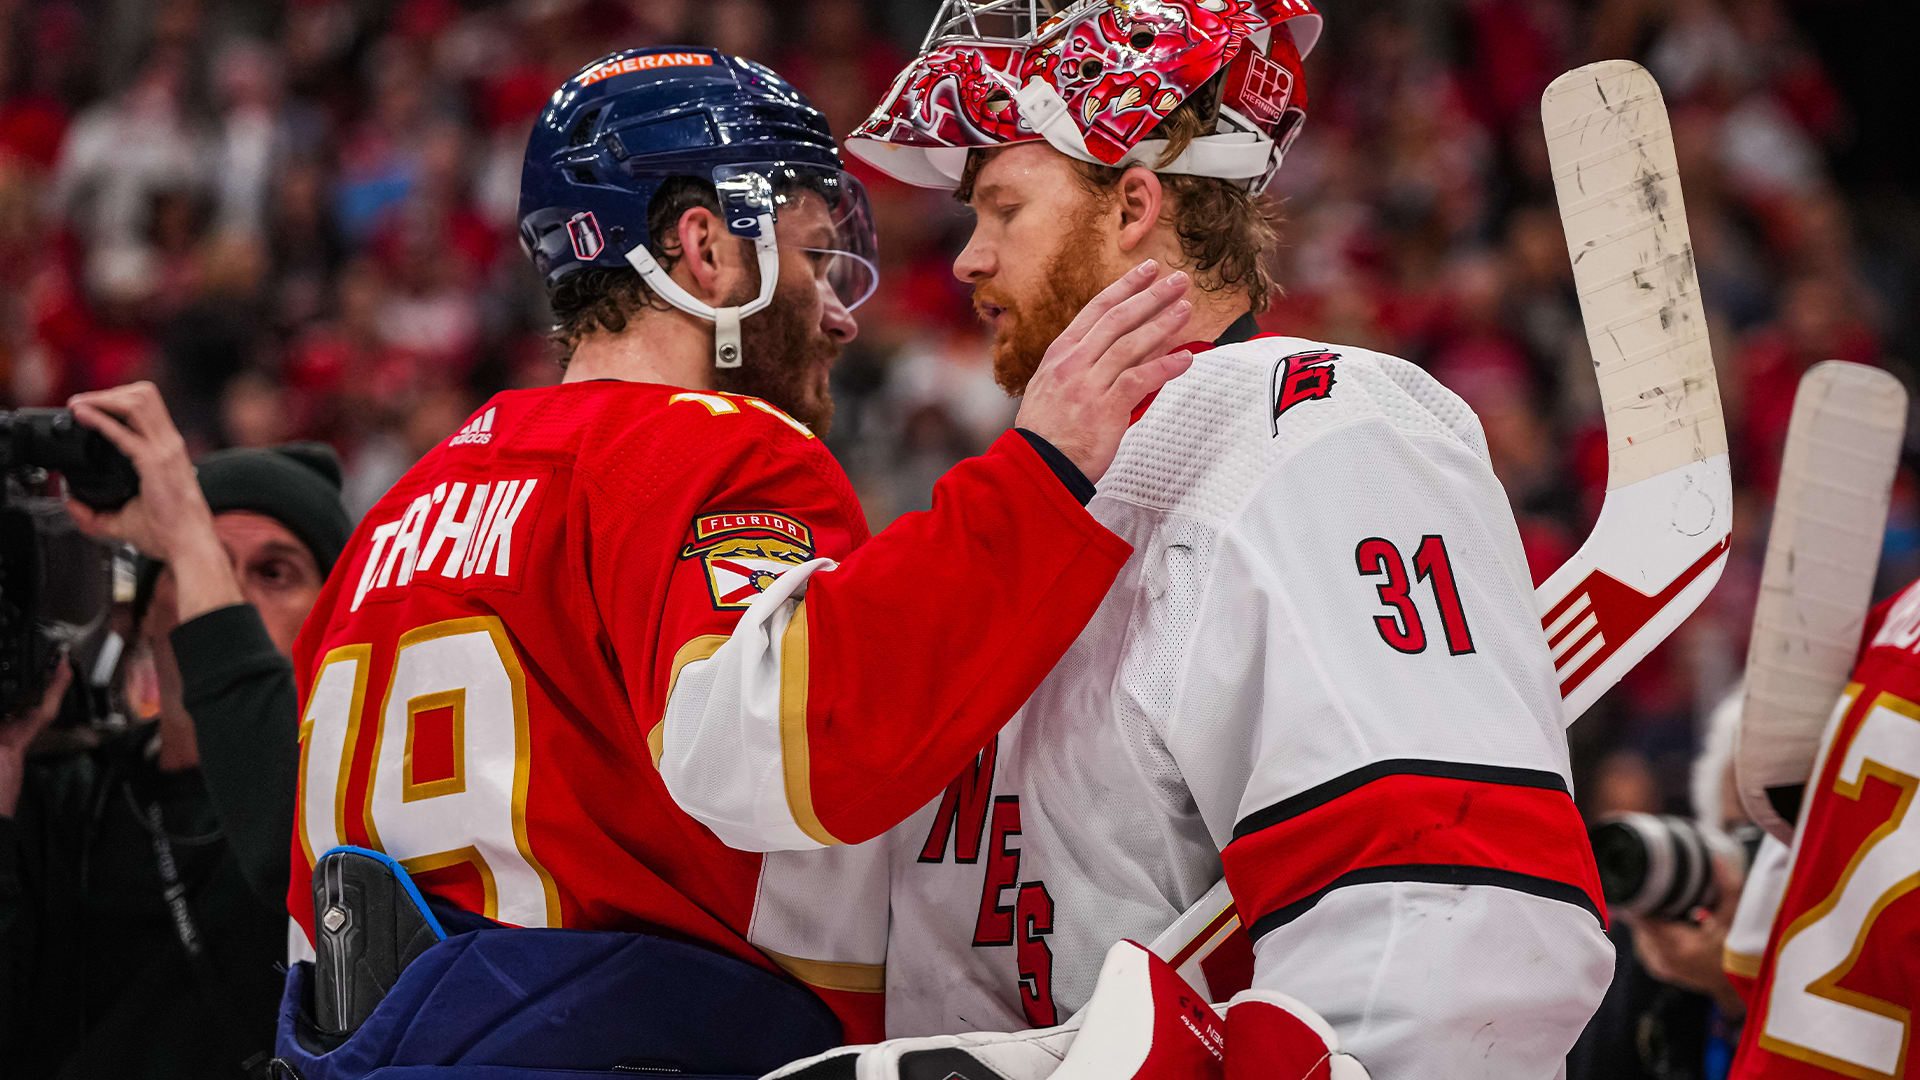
(1321, 673)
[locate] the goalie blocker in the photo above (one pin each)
(1144, 1022)
(405, 984)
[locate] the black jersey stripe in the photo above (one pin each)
(1430, 874)
(1321, 794)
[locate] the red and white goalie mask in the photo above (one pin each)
(1095, 78)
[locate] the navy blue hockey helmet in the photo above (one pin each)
(626, 123)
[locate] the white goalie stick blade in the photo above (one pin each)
(1661, 540)
(1829, 515)
(1662, 537)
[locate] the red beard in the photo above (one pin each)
(1029, 326)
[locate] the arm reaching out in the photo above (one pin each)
(855, 686)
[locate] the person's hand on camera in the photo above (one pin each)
(169, 511)
(18, 732)
(169, 519)
(1688, 953)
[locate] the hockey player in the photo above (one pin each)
(1322, 672)
(1833, 994)
(486, 671)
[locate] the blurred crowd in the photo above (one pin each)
(298, 218)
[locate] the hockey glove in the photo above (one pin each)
(1270, 1036)
(1143, 1022)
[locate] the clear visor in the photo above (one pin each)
(820, 209)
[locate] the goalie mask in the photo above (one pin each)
(1095, 79)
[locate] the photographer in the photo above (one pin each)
(142, 883)
(1672, 1013)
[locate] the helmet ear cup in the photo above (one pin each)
(585, 127)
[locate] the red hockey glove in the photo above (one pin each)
(1270, 1036)
(1144, 1023)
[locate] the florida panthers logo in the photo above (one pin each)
(1306, 376)
(745, 554)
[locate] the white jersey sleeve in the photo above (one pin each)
(1760, 896)
(1368, 721)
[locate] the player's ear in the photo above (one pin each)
(709, 255)
(1140, 198)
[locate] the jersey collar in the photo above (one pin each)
(1244, 328)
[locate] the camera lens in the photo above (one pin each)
(1658, 867)
(1623, 860)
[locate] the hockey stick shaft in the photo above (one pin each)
(1816, 584)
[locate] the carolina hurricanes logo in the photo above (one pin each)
(1306, 376)
(746, 553)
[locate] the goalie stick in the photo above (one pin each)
(1830, 512)
(1661, 539)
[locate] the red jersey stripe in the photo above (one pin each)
(1412, 821)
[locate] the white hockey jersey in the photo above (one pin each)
(1321, 673)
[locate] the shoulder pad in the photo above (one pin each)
(1244, 408)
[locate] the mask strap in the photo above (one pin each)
(1047, 114)
(1242, 156)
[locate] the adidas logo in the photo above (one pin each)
(478, 432)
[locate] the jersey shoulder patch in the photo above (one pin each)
(1244, 409)
(1302, 377)
(1313, 386)
(745, 553)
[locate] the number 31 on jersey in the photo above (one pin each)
(1402, 629)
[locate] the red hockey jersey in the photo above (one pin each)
(1841, 972)
(492, 656)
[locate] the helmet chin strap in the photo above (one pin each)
(726, 321)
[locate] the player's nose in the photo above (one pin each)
(838, 323)
(975, 261)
